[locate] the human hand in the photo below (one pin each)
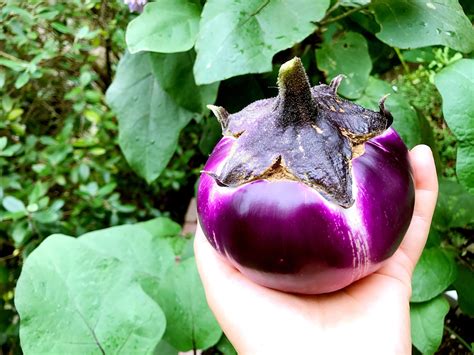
(371, 316)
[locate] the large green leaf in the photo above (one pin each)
(337, 57)
(240, 37)
(434, 272)
(87, 295)
(165, 26)
(422, 23)
(150, 256)
(191, 324)
(454, 206)
(405, 119)
(150, 117)
(427, 321)
(456, 85)
(464, 286)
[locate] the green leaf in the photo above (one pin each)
(419, 55)
(14, 114)
(92, 294)
(13, 65)
(421, 23)
(161, 227)
(12, 204)
(464, 286)
(405, 119)
(150, 260)
(39, 190)
(337, 57)
(454, 206)
(21, 232)
(427, 321)
(435, 271)
(165, 27)
(2, 78)
(7, 103)
(240, 37)
(22, 80)
(149, 119)
(190, 323)
(61, 28)
(46, 216)
(164, 348)
(174, 72)
(3, 142)
(456, 85)
(225, 346)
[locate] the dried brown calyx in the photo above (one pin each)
(304, 134)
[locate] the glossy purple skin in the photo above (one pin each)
(285, 235)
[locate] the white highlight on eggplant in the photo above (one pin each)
(358, 233)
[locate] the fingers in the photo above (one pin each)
(238, 304)
(426, 193)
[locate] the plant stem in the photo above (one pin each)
(343, 15)
(458, 337)
(402, 60)
(9, 56)
(333, 8)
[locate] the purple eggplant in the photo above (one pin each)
(306, 192)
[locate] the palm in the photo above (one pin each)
(370, 316)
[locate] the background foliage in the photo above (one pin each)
(74, 159)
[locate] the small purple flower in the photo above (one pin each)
(135, 5)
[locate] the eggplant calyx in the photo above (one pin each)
(305, 134)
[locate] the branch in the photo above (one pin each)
(326, 20)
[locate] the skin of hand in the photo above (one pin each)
(371, 316)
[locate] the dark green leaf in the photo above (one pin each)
(165, 27)
(337, 57)
(419, 55)
(174, 72)
(211, 133)
(464, 286)
(456, 85)
(454, 207)
(435, 271)
(427, 321)
(149, 119)
(422, 23)
(190, 323)
(225, 346)
(405, 119)
(240, 37)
